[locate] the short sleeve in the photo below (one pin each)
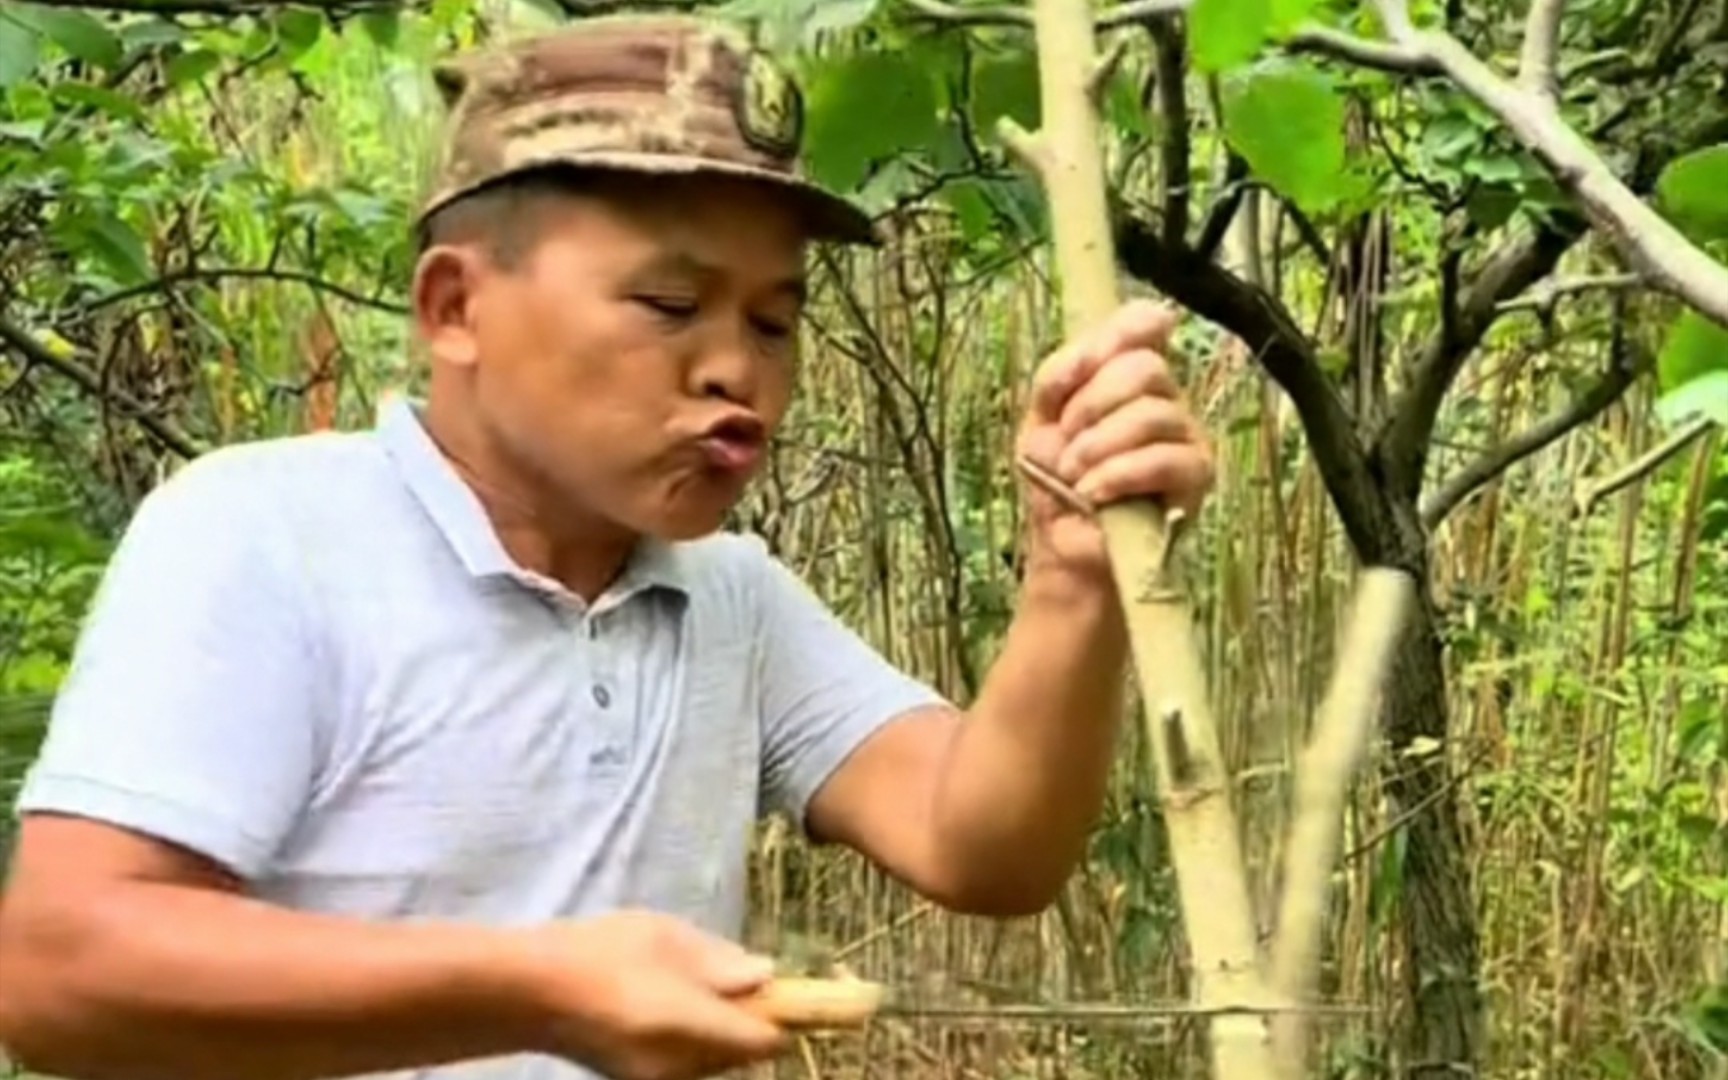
(187, 713)
(824, 689)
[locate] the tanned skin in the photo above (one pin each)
(572, 378)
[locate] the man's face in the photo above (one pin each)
(632, 364)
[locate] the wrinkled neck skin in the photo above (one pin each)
(540, 531)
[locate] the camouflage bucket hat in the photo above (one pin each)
(655, 94)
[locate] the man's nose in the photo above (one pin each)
(729, 368)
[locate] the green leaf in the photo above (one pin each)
(992, 212)
(81, 34)
(1693, 192)
(383, 26)
(1288, 124)
(1492, 206)
(1495, 168)
(1706, 1018)
(1005, 85)
(190, 67)
(116, 244)
(1447, 138)
(1703, 396)
(40, 534)
(1289, 15)
(866, 107)
(298, 29)
(20, 49)
(971, 208)
(1224, 34)
(112, 102)
(146, 33)
(1694, 347)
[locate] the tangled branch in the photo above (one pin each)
(1528, 106)
(37, 354)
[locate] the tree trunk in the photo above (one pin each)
(1442, 1036)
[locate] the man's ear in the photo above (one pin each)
(446, 281)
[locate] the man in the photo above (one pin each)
(435, 749)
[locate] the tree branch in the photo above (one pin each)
(34, 352)
(1216, 224)
(1395, 14)
(1172, 76)
(1643, 237)
(1603, 392)
(1129, 13)
(1591, 493)
(1510, 270)
(1213, 293)
(213, 274)
(1545, 294)
(1310, 37)
(1343, 732)
(1536, 65)
(1392, 59)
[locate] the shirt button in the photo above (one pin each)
(602, 696)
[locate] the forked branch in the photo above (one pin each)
(1323, 776)
(1187, 760)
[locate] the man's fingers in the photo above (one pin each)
(1149, 471)
(1140, 422)
(1140, 325)
(1130, 376)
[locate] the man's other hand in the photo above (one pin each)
(641, 996)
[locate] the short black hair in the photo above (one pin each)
(499, 217)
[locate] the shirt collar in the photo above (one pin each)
(458, 516)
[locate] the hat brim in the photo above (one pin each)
(827, 216)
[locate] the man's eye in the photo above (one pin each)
(669, 306)
(770, 328)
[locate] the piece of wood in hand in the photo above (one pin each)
(811, 1004)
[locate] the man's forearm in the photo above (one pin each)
(161, 982)
(1026, 774)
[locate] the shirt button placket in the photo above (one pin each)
(608, 728)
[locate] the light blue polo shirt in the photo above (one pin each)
(312, 661)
